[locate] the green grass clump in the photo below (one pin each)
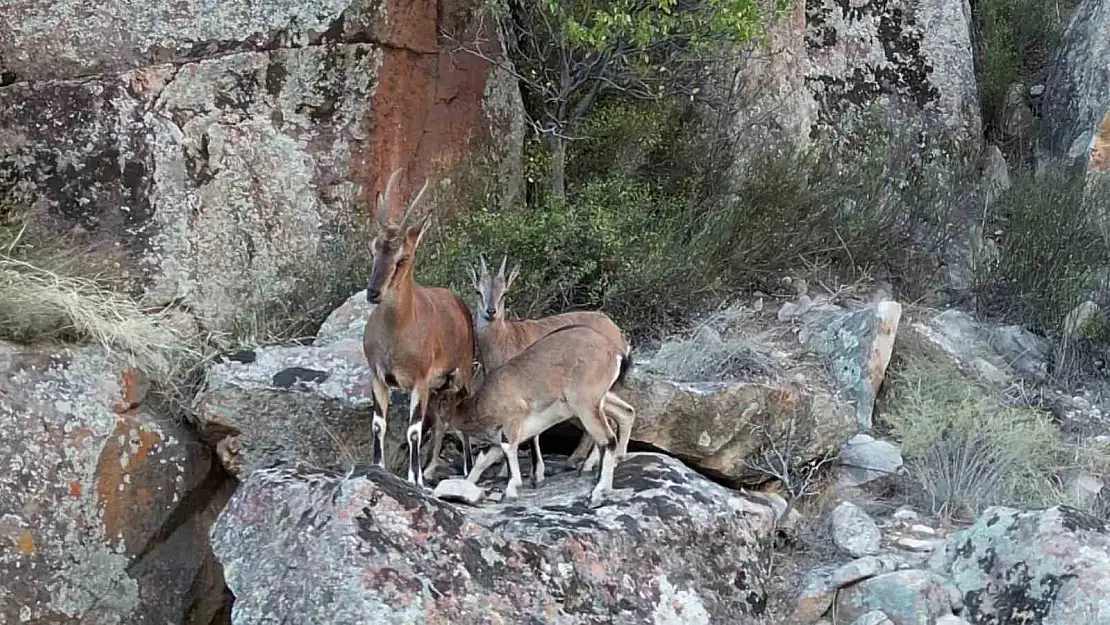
(966, 450)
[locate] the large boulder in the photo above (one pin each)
(105, 503)
(1075, 111)
(912, 58)
(226, 154)
(670, 547)
(1043, 567)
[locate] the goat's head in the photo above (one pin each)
(396, 243)
(491, 289)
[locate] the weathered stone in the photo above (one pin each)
(224, 154)
(951, 619)
(857, 345)
(105, 504)
(1016, 122)
(675, 548)
(913, 58)
(864, 459)
(1083, 489)
(1048, 567)
(917, 544)
(724, 427)
(909, 597)
(993, 353)
(854, 531)
(460, 490)
(300, 403)
(1075, 110)
(874, 617)
(856, 570)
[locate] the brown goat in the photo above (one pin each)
(500, 339)
(563, 375)
(420, 339)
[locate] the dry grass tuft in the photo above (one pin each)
(37, 304)
(714, 350)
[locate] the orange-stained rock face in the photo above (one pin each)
(100, 507)
(244, 174)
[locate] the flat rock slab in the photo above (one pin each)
(670, 547)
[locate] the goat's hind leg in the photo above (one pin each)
(604, 439)
(537, 462)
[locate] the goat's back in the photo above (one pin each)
(499, 343)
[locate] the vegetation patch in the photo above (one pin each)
(965, 450)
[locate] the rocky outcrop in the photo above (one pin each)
(105, 503)
(224, 154)
(669, 547)
(1046, 567)
(1075, 109)
(913, 58)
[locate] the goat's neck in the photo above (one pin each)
(398, 304)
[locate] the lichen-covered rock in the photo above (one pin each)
(224, 154)
(913, 58)
(907, 597)
(994, 353)
(310, 404)
(1043, 567)
(864, 459)
(857, 345)
(669, 548)
(1075, 111)
(105, 504)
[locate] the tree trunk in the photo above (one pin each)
(558, 166)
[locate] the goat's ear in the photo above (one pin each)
(512, 276)
(415, 233)
(473, 276)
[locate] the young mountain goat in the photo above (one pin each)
(420, 339)
(500, 339)
(563, 375)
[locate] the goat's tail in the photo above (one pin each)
(625, 367)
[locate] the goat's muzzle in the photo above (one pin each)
(373, 296)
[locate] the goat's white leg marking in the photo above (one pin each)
(510, 450)
(537, 463)
(624, 415)
(484, 461)
(381, 407)
(416, 422)
(468, 454)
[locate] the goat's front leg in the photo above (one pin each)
(468, 454)
(439, 429)
(418, 407)
(380, 408)
(484, 461)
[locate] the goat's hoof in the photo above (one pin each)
(597, 499)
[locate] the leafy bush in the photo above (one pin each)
(965, 449)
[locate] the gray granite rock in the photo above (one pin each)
(907, 597)
(854, 531)
(670, 547)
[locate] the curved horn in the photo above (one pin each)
(485, 270)
(385, 198)
(501, 271)
(414, 203)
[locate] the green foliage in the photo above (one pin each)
(964, 449)
(1017, 39)
(1049, 248)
